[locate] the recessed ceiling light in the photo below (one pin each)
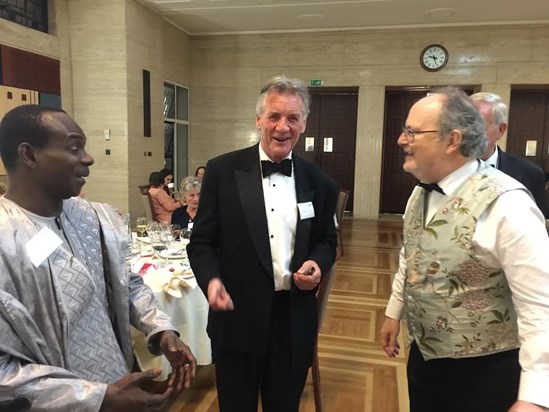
(441, 13)
(312, 17)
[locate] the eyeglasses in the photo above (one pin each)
(411, 133)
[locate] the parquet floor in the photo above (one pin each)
(356, 374)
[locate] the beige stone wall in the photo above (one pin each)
(155, 45)
(227, 72)
(97, 33)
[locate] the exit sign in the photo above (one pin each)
(316, 83)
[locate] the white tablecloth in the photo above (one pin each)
(189, 314)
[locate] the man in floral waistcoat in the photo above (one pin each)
(473, 279)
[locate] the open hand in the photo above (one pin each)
(126, 395)
(181, 359)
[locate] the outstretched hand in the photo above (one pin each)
(181, 359)
(126, 395)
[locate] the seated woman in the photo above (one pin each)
(190, 193)
(167, 175)
(199, 172)
(162, 202)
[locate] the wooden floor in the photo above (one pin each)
(356, 374)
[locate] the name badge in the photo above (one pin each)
(42, 245)
(190, 225)
(306, 210)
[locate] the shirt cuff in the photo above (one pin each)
(533, 388)
(395, 309)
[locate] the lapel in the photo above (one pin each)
(502, 160)
(304, 194)
(250, 191)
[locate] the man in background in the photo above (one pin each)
(263, 238)
(473, 277)
(67, 298)
(494, 111)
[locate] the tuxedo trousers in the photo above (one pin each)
(241, 376)
(486, 383)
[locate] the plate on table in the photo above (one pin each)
(147, 252)
(144, 239)
(175, 253)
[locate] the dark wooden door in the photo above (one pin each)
(396, 184)
(331, 135)
(529, 120)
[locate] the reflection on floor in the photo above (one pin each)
(356, 374)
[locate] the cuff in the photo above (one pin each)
(533, 388)
(395, 309)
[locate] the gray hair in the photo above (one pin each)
(499, 108)
(189, 183)
(283, 85)
(458, 112)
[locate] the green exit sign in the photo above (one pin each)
(316, 83)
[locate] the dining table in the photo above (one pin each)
(172, 281)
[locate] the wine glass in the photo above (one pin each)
(157, 242)
(141, 226)
(176, 231)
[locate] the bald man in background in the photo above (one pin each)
(494, 111)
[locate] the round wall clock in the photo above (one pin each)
(433, 57)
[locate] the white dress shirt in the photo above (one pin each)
(493, 159)
(281, 209)
(510, 234)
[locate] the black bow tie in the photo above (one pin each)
(429, 187)
(284, 167)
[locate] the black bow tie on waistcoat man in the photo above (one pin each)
(429, 187)
(284, 167)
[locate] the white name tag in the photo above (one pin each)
(190, 225)
(42, 245)
(306, 210)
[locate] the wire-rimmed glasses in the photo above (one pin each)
(410, 133)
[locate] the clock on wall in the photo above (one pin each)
(433, 57)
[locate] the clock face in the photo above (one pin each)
(433, 57)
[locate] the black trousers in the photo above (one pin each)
(479, 384)
(242, 376)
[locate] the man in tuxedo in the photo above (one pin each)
(494, 111)
(263, 237)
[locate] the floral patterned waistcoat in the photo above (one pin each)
(455, 305)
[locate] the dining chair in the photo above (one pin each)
(321, 302)
(340, 210)
(147, 203)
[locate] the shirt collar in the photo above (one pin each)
(493, 160)
(454, 180)
(263, 155)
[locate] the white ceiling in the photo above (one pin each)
(208, 17)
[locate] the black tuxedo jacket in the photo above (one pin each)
(230, 240)
(529, 174)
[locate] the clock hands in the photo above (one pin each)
(433, 57)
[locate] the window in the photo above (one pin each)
(30, 13)
(176, 130)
